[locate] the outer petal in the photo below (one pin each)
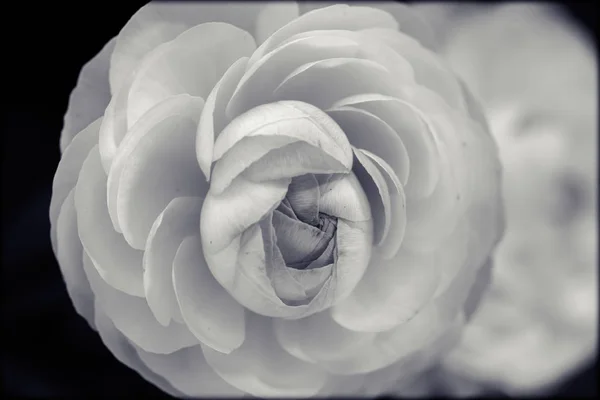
(192, 63)
(187, 371)
(262, 368)
(134, 319)
(90, 97)
(118, 264)
(125, 352)
(159, 22)
(69, 254)
(67, 172)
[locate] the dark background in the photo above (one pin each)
(47, 349)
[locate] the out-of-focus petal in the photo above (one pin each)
(67, 172)
(273, 17)
(339, 16)
(154, 169)
(160, 22)
(132, 317)
(215, 318)
(69, 254)
(116, 262)
(177, 221)
(262, 368)
(192, 63)
(408, 20)
(187, 371)
(90, 97)
(125, 352)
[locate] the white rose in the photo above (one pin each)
(537, 77)
(254, 198)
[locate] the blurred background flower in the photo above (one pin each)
(45, 343)
(536, 73)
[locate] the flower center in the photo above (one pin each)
(305, 236)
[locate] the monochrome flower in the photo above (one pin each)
(273, 199)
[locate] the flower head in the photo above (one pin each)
(275, 201)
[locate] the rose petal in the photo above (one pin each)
(157, 23)
(212, 118)
(134, 319)
(324, 82)
(90, 97)
(334, 17)
(192, 63)
(117, 263)
(125, 352)
(212, 315)
(390, 293)
(415, 134)
(262, 368)
(67, 172)
(369, 132)
(68, 254)
(273, 17)
(261, 78)
(187, 371)
(158, 167)
(177, 221)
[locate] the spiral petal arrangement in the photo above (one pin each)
(276, 201)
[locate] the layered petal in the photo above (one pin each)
(213, 316)
(262, 368)
(133, 318)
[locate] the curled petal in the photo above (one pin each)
(89, 98)
(324, 82)
(177, 221)
(273, 17)
(212, 118)
(262, 368)
(156, 168)
(391, 242)
(339, 16)
(343, 197)
(187, 371)
(134, 319)
(190, 64)
(215, 318)
(390, 293)
(116, 262)
(69, 254)
(303, 196)
(67, 172)
(416, 135)
(369, 132)
(158, 23)
(256, 133)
